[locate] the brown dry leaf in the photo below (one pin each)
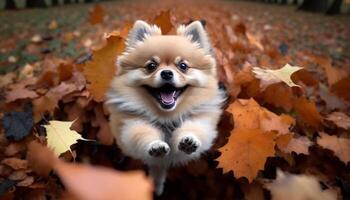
(7, 79)
(333, 74)
(342, 88)
(104, 134)
(100, 71)
(298, 145)
(279, 95)
(340, 119)
(40, 158)
(332, 101)
(163, 20)
(65, 71)
(97, 14)
(308, 112)
(246, 152)
(340, 146)
(15, 163)
(306, 77)
(297, 187)
(42, 105)
(20, 92)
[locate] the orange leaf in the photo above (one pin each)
(101, 69)
(93, 182)
(97, 14)
(246, 152)
(249, 114)
(163, 20)
(283, 140)
(308, 112)
(279, 95)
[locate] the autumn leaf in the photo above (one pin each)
(340, 119)
(246, 152)
(340, 146)
(100, 71)
(97, 14)
(20, 92)
(308, 112)
(298, 145)
(342, 88)
(279, 95)
(93, 182)
(249, 114)
(269, 76)
(163, 21)
(60, 137)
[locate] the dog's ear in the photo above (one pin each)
(140, 31)
(197, 34)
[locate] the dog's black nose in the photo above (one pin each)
(166, 74)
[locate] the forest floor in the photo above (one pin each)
(37, 44)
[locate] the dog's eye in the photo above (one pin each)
(183, 66)
(151, 66)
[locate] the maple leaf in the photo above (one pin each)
(246, 152)
(269, 76)
(340, 146)
(297, 187)
(249, 114)
(340, 119)
(60, 137)
(163, 21)
(100, 71)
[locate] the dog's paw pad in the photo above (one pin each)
(158, 149)
(189, 144)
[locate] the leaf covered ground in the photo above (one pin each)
(285, 129)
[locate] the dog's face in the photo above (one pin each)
(166, 73)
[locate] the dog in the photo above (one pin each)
(164, 100)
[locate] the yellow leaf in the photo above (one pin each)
(60, 137)
(100, 71)
(269, 76)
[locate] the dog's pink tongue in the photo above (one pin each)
(167, 98)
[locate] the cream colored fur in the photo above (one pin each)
(138, 122)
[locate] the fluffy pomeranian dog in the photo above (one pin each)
(165, 101)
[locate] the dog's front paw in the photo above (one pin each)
(189, 144)
(158, 148)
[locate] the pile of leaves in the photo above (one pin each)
(285, 129)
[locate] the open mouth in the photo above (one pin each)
(166, 95)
